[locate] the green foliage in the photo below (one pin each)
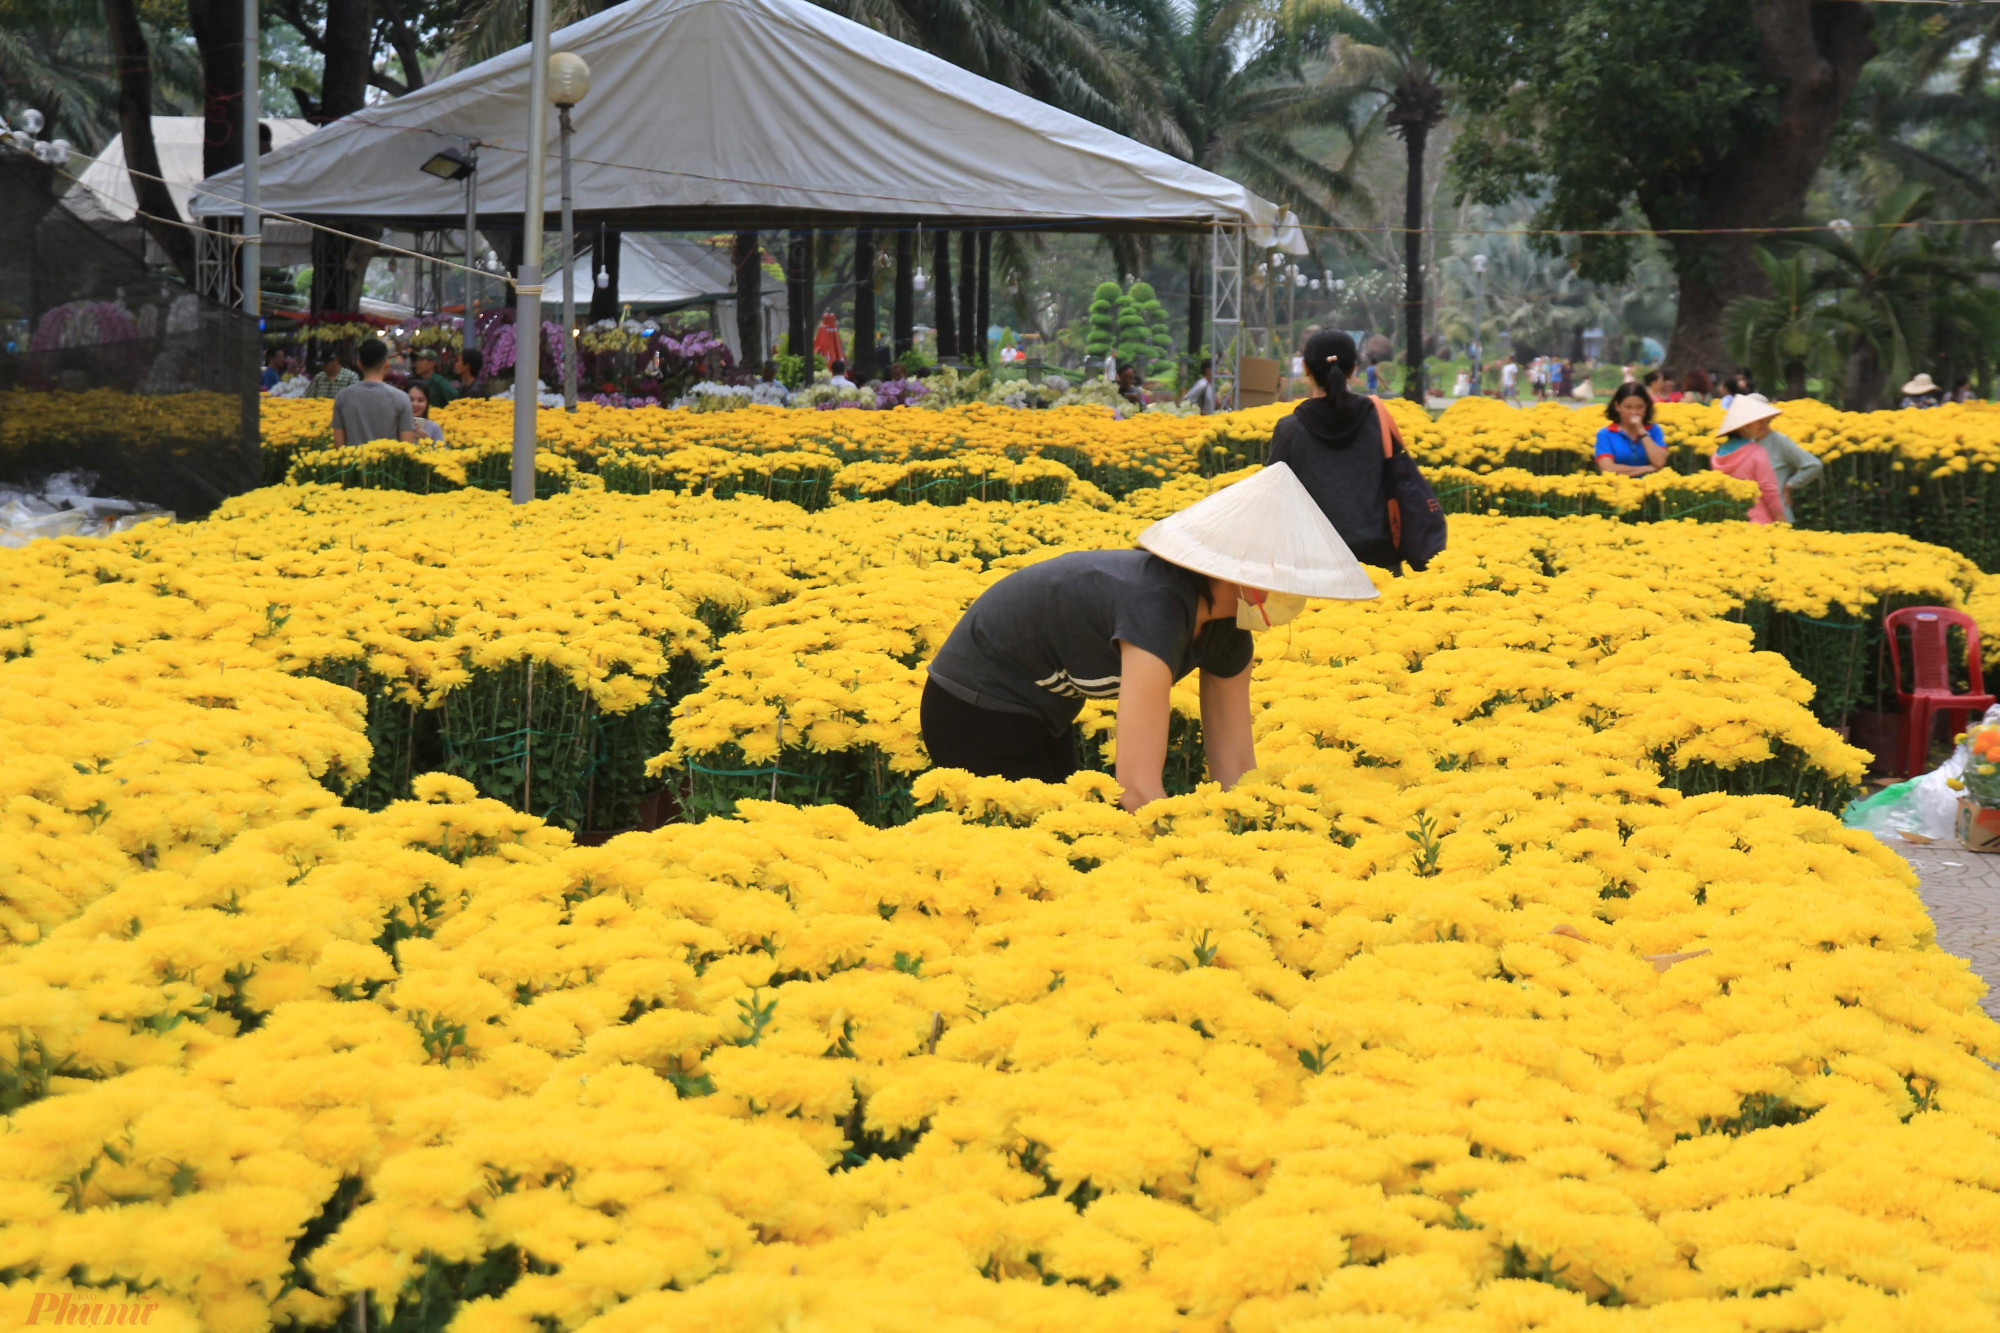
(1599, 107)
(1102, 337)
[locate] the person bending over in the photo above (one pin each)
(1010, 680)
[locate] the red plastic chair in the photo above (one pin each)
(1930, 629)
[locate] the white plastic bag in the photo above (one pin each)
(1923, 809)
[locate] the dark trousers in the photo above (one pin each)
(991, 744)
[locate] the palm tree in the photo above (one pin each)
(1234, 88)
(1372, 54)
(1789, 335)
(1885, 277)
(55, 57)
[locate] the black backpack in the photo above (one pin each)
(1416, 519)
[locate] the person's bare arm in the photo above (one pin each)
(1225, 726)
(1655, 453)
(339, 438)
(407, 437)
(1605, 464)
(1144, 683)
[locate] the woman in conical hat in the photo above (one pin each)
(1125, 625)
(1741, 454)
(1749, 417)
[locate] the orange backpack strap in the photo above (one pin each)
(1390, 439)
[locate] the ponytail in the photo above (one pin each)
(1330, 377)
(1329, 358)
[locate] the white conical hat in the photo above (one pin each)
(1745, 408)
(1263, 532)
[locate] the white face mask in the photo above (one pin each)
(1278, 608)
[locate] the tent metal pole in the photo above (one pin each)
(1225, 311)
(253, 146)
(528, 298)
(468, 337)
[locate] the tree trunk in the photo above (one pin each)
(905, 318)
(408, 54)
(1865, 377)
(218, 35)
(1813, 50)
(968, 295)
(863, 350)
(1197, 303)
(135, 124)
(339, 264)
(1795, 379)
(604, 300)
(798, 296)
(748, 260)
(982, 310)
(1416, 137)
(943, 317)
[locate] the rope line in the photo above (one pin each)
(237, 240)
(757, 772)
(1384, 229)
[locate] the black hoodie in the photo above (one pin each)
(1334, 445)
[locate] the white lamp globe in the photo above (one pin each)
(569, 78)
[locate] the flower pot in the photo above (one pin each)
(1876, 733)
(1978, 826)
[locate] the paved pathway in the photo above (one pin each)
(1962, 891)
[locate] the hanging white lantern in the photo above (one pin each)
(603, 279)
(919, 281)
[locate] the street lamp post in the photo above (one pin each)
(1478, 321)
(569, 83)
(253, 144)
(528, 291)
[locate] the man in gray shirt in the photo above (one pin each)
(372, 409)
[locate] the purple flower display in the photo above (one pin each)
(82, 324)
(897, 393)
(498, 340)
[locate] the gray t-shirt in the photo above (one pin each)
(1793, 465)
(1045, 638)
(372, 410)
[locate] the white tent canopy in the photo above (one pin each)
(663, 270)
(104, 190)
(749, 113)
(103, 195)
(669, 271)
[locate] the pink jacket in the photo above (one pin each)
(1749, 462)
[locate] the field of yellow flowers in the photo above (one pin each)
(1523, 988)
(1932, 474)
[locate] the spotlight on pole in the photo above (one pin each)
(449, 164)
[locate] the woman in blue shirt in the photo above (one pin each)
(1632, 445)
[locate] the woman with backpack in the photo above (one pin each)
(1344, 448)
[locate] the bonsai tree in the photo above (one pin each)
(1135, 335)
(1103, 321)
